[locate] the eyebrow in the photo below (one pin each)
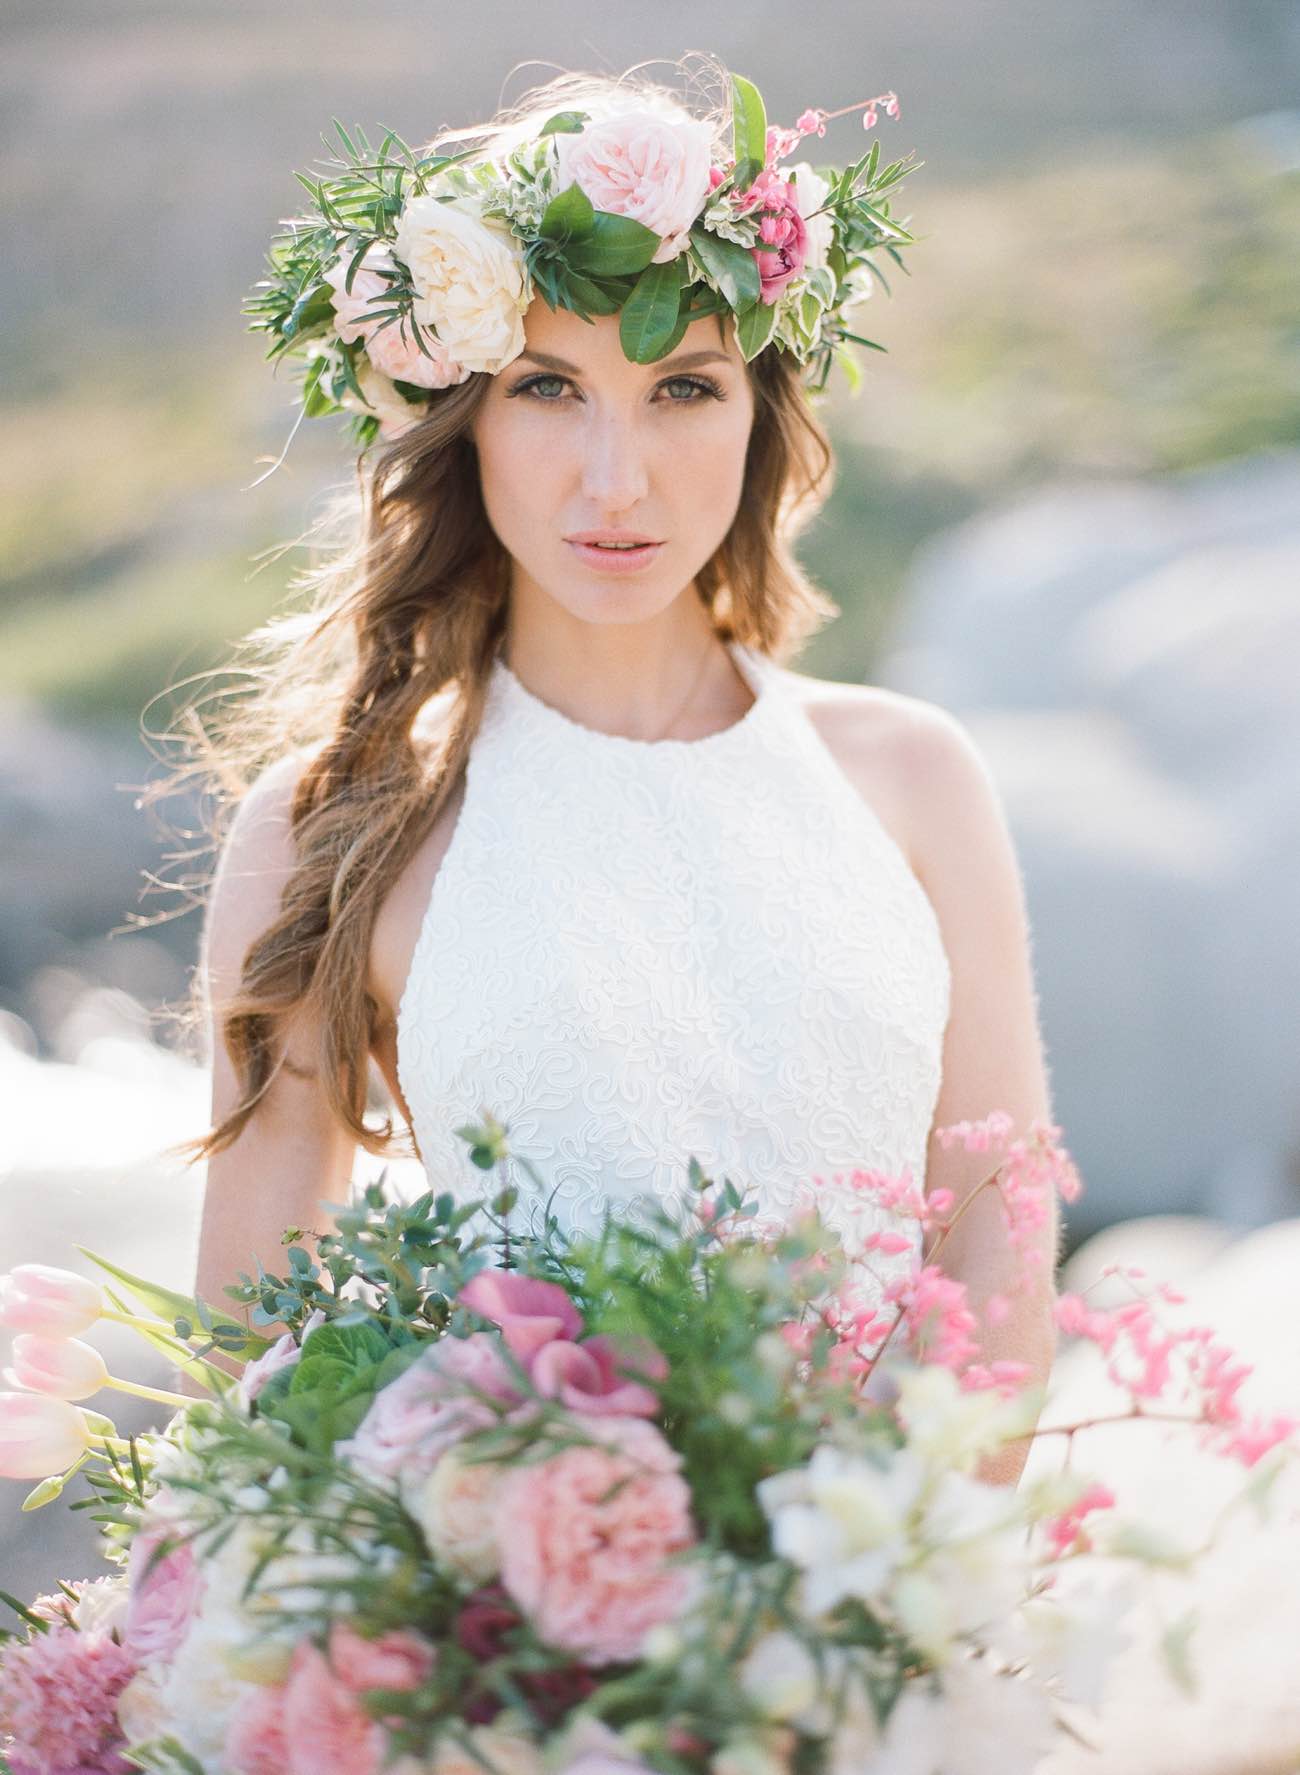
(680, 361)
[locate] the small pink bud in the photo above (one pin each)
(59, 1303)
(39, 1436)
(63, 1367)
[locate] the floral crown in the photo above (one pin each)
(414, 270)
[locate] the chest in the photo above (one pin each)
(664, 916)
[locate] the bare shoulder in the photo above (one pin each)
(257, 858)
(895, 748)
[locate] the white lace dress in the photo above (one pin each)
(636, 951)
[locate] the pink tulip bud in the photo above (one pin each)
(39, 1436)
(63, 1367)
(58, 1303)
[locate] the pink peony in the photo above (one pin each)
(587, 1562)
(783, 235)
(396, 1660)
(255, 1742)
(429, 1407)
(164, 1594)
(654, 169)
(391, 348)
(58, 1700)
(325, 1727)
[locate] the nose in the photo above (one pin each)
(613, 461)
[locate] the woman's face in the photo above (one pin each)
(572, 436)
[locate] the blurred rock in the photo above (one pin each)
(1127, 656)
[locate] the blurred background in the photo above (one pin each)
(1067, 508)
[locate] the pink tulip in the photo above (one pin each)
(39, 1436)
(63, 1367)
(58, 1303)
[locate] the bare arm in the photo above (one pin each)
(993, 1053)
(292, 1154)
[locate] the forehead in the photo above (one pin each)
(594, 347)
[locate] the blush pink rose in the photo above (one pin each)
(429, 1407)
(326, 1729)
(285, 1352)
(590, 1568)
(163, 1597)
(654, 169)
(391, 348)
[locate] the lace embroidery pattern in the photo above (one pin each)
(636, 952)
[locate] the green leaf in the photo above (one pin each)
(754, 328)
(570, 216)
(171, 1306)
(731, 266)
(618, 246)
(651, 313)
(564, 123)
(748, 122)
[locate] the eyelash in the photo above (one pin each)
(706, 384)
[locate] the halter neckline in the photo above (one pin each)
(751, 665)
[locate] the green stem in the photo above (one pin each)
(156, 1393)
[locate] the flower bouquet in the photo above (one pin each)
(696, 1496)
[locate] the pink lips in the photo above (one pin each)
(625, 560)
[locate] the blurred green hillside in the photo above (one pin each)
(1132, 312)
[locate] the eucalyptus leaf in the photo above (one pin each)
(564, 123)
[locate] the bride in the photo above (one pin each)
(535, 818)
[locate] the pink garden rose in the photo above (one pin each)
(58, 1702)
(428, 1408)
(164, 1595)
(539, 1323)
(391, 349)
(589, 1376)
(589, 1568)
(654, 169)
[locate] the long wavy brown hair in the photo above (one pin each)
(406, 603)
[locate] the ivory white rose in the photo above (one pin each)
(456, 1508)
(469, 276)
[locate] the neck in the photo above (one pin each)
(671, 678)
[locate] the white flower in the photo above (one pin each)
(100, 1605)
(911, 1742)
(953, 1427)
(993, 1721)
(456, 1508)
(469, 277)
(140, 1710)
(843, 1520)
(1072, 1636)
(779, 1673)
(811, 192)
